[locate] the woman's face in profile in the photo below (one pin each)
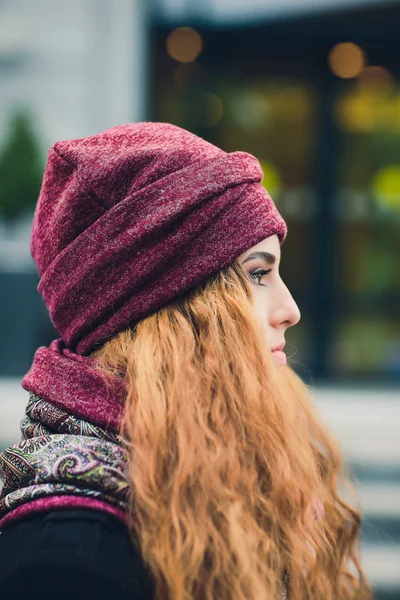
(275, 308)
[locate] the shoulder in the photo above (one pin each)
(75, 552)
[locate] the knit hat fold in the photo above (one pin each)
(105, 266)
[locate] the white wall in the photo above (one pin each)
(79, 66)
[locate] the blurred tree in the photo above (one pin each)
(20, 169)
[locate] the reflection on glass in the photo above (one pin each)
(367, 333)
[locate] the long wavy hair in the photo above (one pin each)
(234, 482)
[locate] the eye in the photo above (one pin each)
(256, 276)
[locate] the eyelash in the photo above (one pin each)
(256, 275)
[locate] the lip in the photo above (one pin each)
(279, 348)
(279, 356)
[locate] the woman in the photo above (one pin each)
(168, 451)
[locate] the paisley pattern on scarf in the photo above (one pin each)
(62, 454)
(43, 417)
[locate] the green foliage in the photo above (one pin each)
(20, 169)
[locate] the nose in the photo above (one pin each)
(286, 313)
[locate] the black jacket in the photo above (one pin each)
(76, 554)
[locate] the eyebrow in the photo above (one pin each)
(269, 258)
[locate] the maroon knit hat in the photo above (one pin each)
(133, 217)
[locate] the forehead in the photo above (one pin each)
(270, 244)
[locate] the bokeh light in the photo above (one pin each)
(355, 112)
(346, 60)
(376, 77)
(207, 109)
(250, 108)
(386, 186)
(272, 180)
(184, 44)
(369, 109)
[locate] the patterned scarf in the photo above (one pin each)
(64, 460)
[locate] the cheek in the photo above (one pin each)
(261, 306)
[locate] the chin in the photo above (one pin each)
(279, 358)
